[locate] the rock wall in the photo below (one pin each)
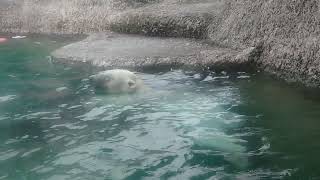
(288, 32)
(285, 32)
(61, 16)
(170, 19)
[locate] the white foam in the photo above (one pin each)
(18, 37)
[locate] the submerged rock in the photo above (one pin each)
(113, 50)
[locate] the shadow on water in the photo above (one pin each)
(284, 121)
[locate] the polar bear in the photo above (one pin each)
(117, 81)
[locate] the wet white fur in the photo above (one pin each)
(118, 81)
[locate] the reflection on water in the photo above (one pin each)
(54, 126)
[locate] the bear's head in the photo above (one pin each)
(117, 81)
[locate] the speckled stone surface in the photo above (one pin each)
(114, 50)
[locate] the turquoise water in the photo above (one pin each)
(54, 126)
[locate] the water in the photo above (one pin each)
(53, 125)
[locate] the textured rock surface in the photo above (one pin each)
(285, 32)
(288, 31)
(138, 52)
(185, 18)
(173, 19)
(61, 16)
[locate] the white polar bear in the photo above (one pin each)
(117, 81)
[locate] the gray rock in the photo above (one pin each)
(285, 32)
(169, 19)
(113, 50)
(288, 32)
(61, 16)
(187, 18)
